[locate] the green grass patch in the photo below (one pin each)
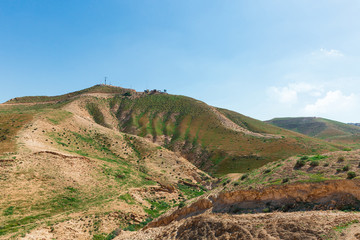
(340, 228)
(96, 113)
(17, 224)
(9, 211)
(157, 208)
(190, 192)
(58, 116)
(127, 198)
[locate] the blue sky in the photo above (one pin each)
(261, 58)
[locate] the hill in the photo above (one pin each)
(322, 128)
(57, 166)
(92, 163)
(216, 140)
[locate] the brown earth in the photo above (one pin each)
(217, 216)
(263, 226)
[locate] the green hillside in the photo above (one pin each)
(322, 128)
(216, 140)
(195, 129)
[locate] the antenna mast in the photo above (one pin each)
(105, 80)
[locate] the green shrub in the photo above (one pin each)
(285, 180)
(326, 164)
(338, 170)
(341, 159)
(266, 210)
(304, 158)
(181, 205)
(267, 171)
(244, 176)
(346, 168)
(300, 163)
(351, 175)
(314, 163)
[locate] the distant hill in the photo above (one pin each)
(355, 124)
(320, 128)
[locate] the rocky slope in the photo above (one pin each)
(292, 216)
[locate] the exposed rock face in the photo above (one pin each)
(328, 195)
(263, 226)
(194, 209)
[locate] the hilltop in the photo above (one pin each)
(329, 130)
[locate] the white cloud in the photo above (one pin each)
(290, 93)
(283, 94)
(331, 52)
(334, 102)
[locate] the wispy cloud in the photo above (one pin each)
(331, 52)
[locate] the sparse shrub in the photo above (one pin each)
(285, 180)
(300, 163)
(244, 176)
(304, 158)
(346, 168)
(181, 205)
(351, 175)
(314, 163)
(338, 170)
(341, 159)
(236, 183)
(267, 171)
(326, 164)
(266, 210)
(120, 176)
(127, 94)
(347, 149)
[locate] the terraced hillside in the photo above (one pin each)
(322, 128)
(216, 140)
